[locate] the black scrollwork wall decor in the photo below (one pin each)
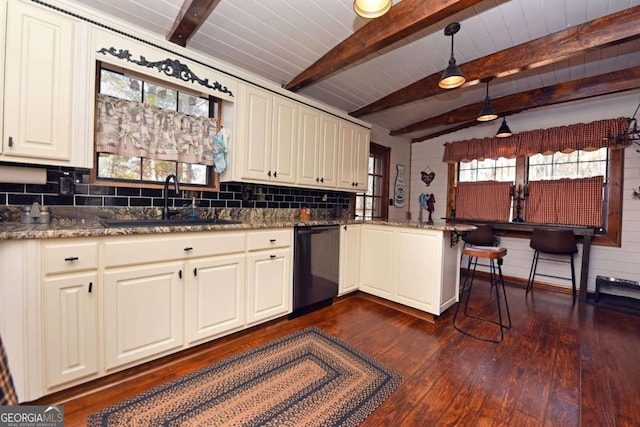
(170, 67)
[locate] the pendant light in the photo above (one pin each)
(371, 8)
(504, 131)
(487, 113)
(452, 76)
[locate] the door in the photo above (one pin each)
(257, 121)
(71, 327)
(269, 290)
(284, 141)
(215, 296)
(143, 312)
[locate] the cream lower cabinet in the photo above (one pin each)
(215, 296)
(269, 281)
(350, 236)
(411, 266)
(70, 311)
(143, 312)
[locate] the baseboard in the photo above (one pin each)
(399, 307)
(520, 282)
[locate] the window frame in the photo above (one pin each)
(214, 102)
(384, 154)
(613, 233)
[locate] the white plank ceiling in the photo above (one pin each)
(278, 39)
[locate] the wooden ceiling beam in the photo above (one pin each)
(588, 87)
(192, 15)
(402, 20)
(608, 30)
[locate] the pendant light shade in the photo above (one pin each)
(504, 130)
(452, 76)
(371, 8)
(487, 113)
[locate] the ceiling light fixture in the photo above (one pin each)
(452, 76)
(487, 113)
(371, 8)
(504, 131)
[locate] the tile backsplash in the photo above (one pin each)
(231, 195)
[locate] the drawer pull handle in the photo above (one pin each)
(188, 248)
(90, 286)
(195, 271)
(272, 240)
(180, 274)
(272, 256)
(71, 258)
(10, 141)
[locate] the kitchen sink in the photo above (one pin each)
(114, 223)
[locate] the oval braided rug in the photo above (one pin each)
(308, 378)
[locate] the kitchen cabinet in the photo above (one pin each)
(319, 140)
(215, 296)
(48, 88)
(376, 257)
(190, 281)
(267, 133)
(270, 284)
(350, 236)
(411, 266)
(70, 311)
(354, 157)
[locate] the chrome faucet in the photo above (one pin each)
(166, 212)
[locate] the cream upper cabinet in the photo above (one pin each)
(353, 160)
(47, 88)
(319, 139)
(267, 132)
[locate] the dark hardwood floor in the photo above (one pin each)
(560, 364)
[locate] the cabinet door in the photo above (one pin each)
(349, 258)
(257, 121)
(143, 312)
(419, 269)
(376, 257)
(329, 147)
(360, 156)
(308, 146)
(284, 141)
(215, 296)
(38, 84)
(346, 161)
(270, 283)
(71, 328)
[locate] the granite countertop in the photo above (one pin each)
(93, 227)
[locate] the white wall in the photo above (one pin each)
(621, 262)
(400, 155)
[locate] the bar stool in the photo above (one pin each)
(494, 254)
(552, 242)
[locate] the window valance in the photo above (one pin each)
(580, 136)
(133, 129)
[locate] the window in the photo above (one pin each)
(141, 171)
(487, 170)
(578, 164)
(372, 205)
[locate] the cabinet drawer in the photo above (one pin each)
(131, 250)
(268, 239)
(70, 256)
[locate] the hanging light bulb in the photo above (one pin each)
(452, 77)
(371, 8)
(487, 113)
(504, 131)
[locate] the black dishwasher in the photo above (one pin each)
(316, 262)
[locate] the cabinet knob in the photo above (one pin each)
(317, 179)
(71, 258)
(90, 286)
(269, 173)
(275, 174)
(180, 274)
(195, 272)
(321, 179)
(345, 227)
(10, 141)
